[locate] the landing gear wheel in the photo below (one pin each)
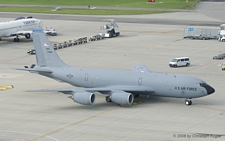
(27, 36)
(16, 40)
(108, 99)
(188, 102)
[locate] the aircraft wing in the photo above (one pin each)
(22, 33)
(103, 90)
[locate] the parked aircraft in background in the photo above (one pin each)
(20, 26)
(119, 86)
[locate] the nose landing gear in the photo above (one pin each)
(188, 102)
(16, 39)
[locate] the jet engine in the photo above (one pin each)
(85, 98)
(28, 36)
(122, 98)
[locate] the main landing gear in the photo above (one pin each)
(188, 102)
(16, 39)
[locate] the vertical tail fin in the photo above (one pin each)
(46, 56)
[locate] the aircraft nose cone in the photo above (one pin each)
(209, 89)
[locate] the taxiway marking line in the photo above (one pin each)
(75, 123)
(11, 137)
(30, 133)
(215, 109)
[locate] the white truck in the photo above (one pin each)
(203, 34)
(50, 31)
(179, 62)
(111, 28)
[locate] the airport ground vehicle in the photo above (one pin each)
(203, 34)
(219, 57)
(223, 66)
(31, 51)
(50, 31)
(178, 62)
(222, 33)
(111, 28)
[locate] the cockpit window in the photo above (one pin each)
(202, 84)
(19, 18)
(174, 60)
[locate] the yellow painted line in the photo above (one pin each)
(134, 103)
(204, 107)
(215, 109)
(161, 45)
(72, 124)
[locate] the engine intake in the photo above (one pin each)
(85, 98)
(122, 98)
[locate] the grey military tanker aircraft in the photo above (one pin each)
(119, 86)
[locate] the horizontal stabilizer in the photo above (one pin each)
(33, 70)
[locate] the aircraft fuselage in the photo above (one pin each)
(11, 27)
(163, 84)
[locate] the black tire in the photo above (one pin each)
(16, 40)
(223, 40)
(175, 66)
(203, 38)
(187, 64)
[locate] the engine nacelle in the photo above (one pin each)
(85, 98)
(122, 98)
(28, 36)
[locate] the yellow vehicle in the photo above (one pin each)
(223, 66)
(3, 88)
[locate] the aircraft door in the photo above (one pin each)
(86, 77)
(140, 81)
